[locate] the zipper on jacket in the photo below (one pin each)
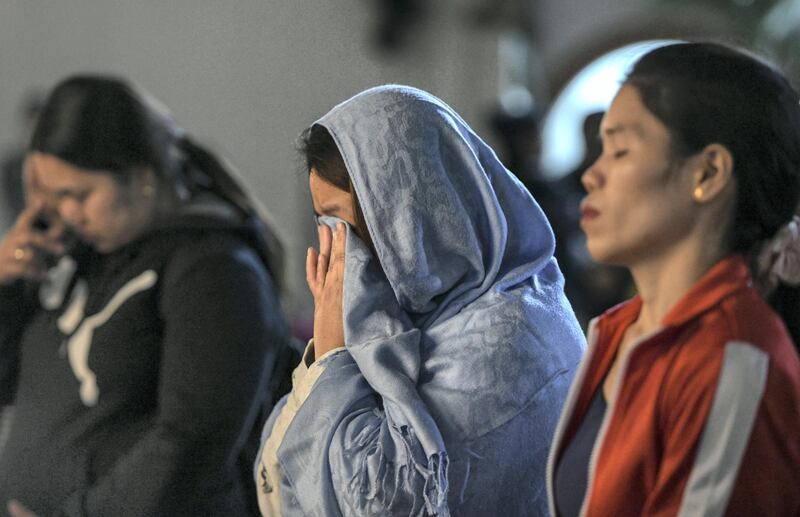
(570, 406)
(607, 418)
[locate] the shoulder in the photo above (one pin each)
(212, 251)
(762, 338)
(750, 319)
(213, 265)
(744, 318)
(743, 322)
(219, 282)
(194, 245)
(739, 342)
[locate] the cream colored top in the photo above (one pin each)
(269, 474)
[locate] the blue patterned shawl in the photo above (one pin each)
(460, 344)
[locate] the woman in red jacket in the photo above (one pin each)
(688, 399)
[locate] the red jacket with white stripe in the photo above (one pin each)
(706, 419)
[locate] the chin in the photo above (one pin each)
(102, 247)
(605, 254)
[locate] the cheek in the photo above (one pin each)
(635, 191)
(107, 211)
(636, 217)
(350, 217)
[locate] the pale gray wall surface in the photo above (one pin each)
(245, 76)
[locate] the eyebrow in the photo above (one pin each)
(621, 128)
(327, 209)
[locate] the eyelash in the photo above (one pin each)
(620, 154)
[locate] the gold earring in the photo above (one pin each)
(698, 193)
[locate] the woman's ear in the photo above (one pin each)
(713, 173)
(145, 181)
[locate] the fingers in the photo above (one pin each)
(27, 216)
(325, 242)
(44, 243)
(26, 237)
(22, 262)
(311, 270)
(337, 248)
(26, 252)
(325, 239)
(319, 264)
(328, 301)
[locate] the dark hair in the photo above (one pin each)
(105, 124)
(708, 93)
(322, 154)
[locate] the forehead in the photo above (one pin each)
(627, 116)
(50, 173)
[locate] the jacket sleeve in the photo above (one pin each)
(344, 454)
(16, 307)
(706, 425)
(222, 326)
(267, 469)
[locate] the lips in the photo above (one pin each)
(588, 212)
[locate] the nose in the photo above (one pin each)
(70, 212)
(592, 178)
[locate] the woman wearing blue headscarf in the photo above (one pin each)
(443, 344)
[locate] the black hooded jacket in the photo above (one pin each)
(138, 384)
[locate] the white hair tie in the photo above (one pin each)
(779, 259)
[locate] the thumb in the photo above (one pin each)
(30, 212)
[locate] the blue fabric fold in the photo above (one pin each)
(460, 342)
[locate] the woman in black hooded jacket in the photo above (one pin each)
(141, 334)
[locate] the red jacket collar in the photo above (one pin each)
(723, 279)
(726, 277)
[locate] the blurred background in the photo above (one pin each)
(532, 77)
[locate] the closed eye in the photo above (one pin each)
(620, 154)
(76, 195)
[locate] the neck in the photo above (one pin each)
(664, 279)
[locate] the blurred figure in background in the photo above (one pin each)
(590, 287)
(688, 399)
(141, 334)
(443, 342)
(520, 142)
(520, 147)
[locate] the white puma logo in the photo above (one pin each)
(80, 343)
